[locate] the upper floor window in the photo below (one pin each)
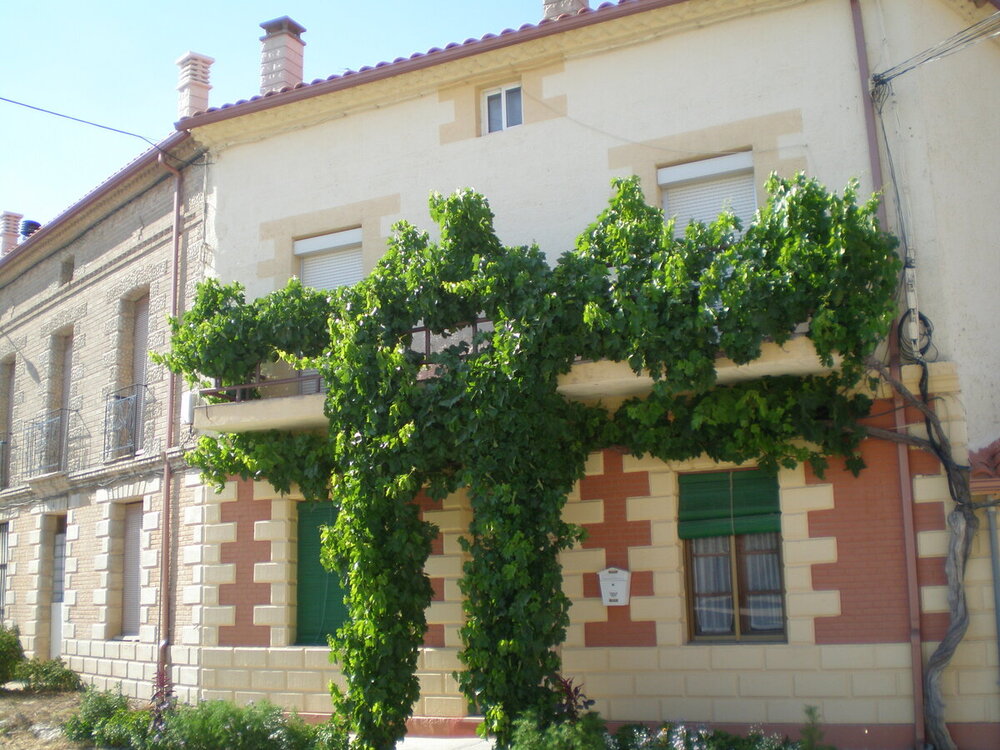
(330, 260)
(6, 419)
(701, 190)
(731, 524)
(502, 108)
(123, 424)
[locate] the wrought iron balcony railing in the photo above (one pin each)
(310, 381)
(123, 422)
(45, 442)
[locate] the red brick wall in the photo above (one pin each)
(867, 522)
(244, 593)
(615, 535)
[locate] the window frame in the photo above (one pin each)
(739, 592)
(706, 173)
(342, 243)
(503, 92)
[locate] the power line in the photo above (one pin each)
(985, 29)
(77, 119)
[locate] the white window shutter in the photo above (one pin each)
(333, 269)
(701, 190)
(704, 200)
(140, 339)
(130, 569)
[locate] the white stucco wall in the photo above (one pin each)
(941, 122)
(779, 77)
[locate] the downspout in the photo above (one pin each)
(902, 451)
(163, 684)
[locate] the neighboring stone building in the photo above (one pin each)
(701, 99)
(89, 446)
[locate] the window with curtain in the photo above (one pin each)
(320, 597)
(731, 526)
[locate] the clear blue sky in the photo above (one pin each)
(112, 62)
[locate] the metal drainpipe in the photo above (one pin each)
(991, 516)
(902, 452)
(163, 684)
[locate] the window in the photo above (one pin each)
(47, 436)
(66, 271)
(320, 598)
(328, 261)
(6, 419)
(331, 260)
(701, 190)
(58, 586)
(731, 525)
(123, 411)
(130, 569)
(4, 557)
(502, 108)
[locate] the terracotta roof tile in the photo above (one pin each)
(469, 44)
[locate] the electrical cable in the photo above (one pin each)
(85, 122)
(985, 29)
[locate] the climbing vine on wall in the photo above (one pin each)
(485, 415)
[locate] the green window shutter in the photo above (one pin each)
(728, 503)
(320, 597)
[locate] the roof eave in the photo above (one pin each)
(457, 51)
(143, 161)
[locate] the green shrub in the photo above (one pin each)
(125, 728)
(674, 736)
(96, 708)
(219, 725)
(11, 653)
(812, 732)
(105, 719)
(330, 736)
(47, 676)
(585, 733)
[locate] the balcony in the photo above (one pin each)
(273, 407)
(45, 443)
(123, 422)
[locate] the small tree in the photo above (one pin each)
(486, 415)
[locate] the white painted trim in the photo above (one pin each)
(340, 240)
(697, 170)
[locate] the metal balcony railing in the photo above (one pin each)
(5, 446)
(123, 422)
(45, 441)
(310, 381)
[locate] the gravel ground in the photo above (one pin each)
(32, 722)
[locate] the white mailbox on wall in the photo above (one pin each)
(614, 586)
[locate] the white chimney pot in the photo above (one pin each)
(193, 86)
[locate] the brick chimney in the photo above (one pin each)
(280, 54)
(556, 8)
(9, 229)
(193, 86)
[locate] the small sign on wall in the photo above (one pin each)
(614, 586)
